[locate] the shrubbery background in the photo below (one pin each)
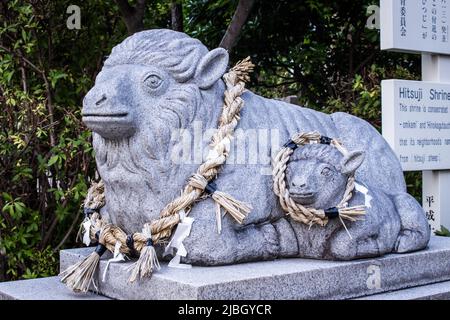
(318, 50)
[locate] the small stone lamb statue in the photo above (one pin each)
(317, 176)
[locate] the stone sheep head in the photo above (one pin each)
(317, 174)
(153, 81)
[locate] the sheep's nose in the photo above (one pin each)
(302, 185)
(95, 99)
(101, 100)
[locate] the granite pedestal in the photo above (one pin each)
(42, 289)
(420, 275)
(280, 279)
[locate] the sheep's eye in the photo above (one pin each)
(153, 81)
(326, 171)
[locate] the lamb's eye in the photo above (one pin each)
(326, 171)
(153, 81)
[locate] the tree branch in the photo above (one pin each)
(277, 84)
(55, 221)
(237, 22)
(28, 62)
(66, 236)
(132, 16)
(47, 87)
(176, 9)
(48, 90)
(124, 7)
(24, 75)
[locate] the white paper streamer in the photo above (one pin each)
(219, 219)
(117, 257)
(175, 263)
(176, 243)
(87, 229)
(365, 191)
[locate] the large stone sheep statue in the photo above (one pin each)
(158, 82)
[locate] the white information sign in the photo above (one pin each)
(415, 25)
(435, 198)
(416, 123)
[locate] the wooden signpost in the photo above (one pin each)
(416, 114)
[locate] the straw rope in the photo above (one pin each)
(297, 211)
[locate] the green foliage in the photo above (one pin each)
(45, 152)
(444, 232)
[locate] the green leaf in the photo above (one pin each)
(56, 75)
(7, 197)
(8, 76)
(444, 232)
(53, 160)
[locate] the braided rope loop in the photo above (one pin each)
(296, 211)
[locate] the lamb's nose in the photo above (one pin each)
(299, 184)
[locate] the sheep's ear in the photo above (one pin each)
(211, 68)
(352, 161)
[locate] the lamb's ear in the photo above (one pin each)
(211, 68)
(352, 161)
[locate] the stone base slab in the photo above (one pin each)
(279, 279)
(434, 291)
(42, 289)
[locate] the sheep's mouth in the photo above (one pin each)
(105, 115)
(303, 197)
(303, 194)
(106, 119)
(114, 126)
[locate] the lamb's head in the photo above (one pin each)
(153, 79)
(317, 174)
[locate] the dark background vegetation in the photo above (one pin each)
(317, 50)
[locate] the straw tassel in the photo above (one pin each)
(237, 209)
(352, 213)
(80, 276)
(148, 261)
